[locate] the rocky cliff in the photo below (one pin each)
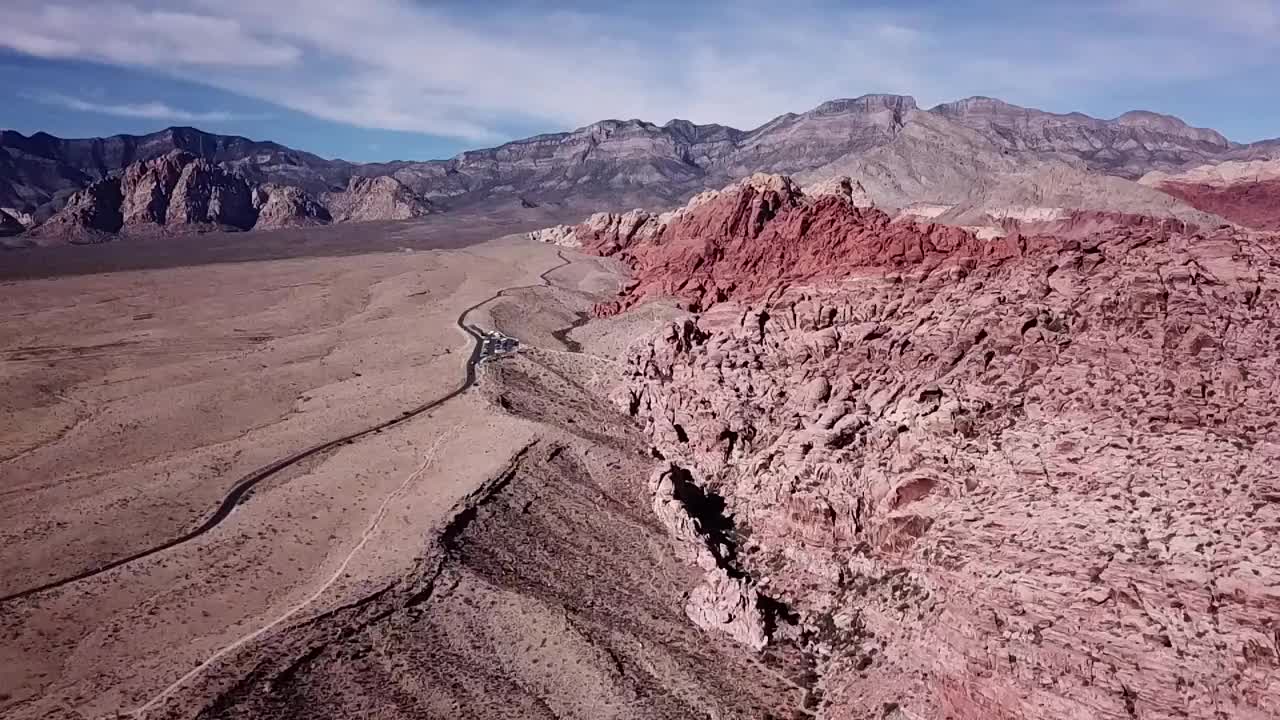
(378, 198)
(1022, 478)
(180, 192)
(90, 215)
(175, 192)
(280, 206)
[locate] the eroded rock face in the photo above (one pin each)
(147, 188)
(90, 215)
(760, 234)
(1023, 478)
(205, 194)
(175, 192)
(281, 206)
(376, 198)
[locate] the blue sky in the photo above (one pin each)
(399, 79)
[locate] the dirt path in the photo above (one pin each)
(337, 575)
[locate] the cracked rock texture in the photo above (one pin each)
(1031, 477)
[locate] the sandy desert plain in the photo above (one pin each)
(489, 555)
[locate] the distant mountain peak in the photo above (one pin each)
(874, 102)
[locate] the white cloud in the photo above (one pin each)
(401, 65)
(153, 110)
(126, 34)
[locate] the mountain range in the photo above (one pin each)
(967, 162)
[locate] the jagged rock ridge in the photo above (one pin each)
(181, 192)
(1028, 477)
(903, 155)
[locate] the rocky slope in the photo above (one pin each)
(971, 156)
(35, 170)
(1243, 191)
(175, 192)
(379, 198)
(951, 154)
(1021, 478)
(280, 206)
(180, 192)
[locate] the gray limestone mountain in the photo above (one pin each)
(964, 162)
(35, 169)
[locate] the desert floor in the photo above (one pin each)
(132, 402)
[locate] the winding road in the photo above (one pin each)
(246, 484)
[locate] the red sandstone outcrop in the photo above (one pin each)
(759, 235)
(1023, 478)
(376, 198)
(280, 206)
(1244, 192)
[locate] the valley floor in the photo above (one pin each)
(494, 551)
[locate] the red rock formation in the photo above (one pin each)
(1252, 204)
(764, 234)
(1027, 478)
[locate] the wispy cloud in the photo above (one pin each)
(129, 34)
(403, 65)
(153, 110)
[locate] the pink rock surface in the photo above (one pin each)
(762, 234)
(1253, 204)
(1026, 478)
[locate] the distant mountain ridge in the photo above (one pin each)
(967, 157)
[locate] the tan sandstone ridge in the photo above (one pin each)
(281, 206)
(376, 198)
(1027, 477)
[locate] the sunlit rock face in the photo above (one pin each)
(1024, 477)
